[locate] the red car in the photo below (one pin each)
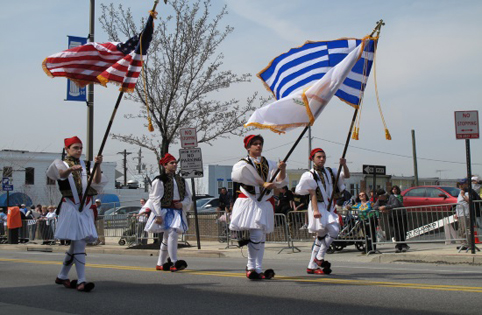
(429, 195)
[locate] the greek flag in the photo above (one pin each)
(303, 105)
(302, 66)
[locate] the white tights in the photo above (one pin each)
(76, 254)
(168, 247)
(256, 250)
(323, 240)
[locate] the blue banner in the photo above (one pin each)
(74, 93)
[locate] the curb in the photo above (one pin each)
(449, 259)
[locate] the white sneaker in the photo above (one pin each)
(304, 227)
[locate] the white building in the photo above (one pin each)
(27, 172)
(215, 177)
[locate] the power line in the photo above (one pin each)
(394, 154)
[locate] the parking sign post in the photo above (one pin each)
(467, 127)
(190, 157)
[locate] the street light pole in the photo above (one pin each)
(90, 93)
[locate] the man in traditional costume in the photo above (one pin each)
(74, 224)
(253, 174)
(319, 183)
(169, 199)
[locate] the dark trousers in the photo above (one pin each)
(399, 224)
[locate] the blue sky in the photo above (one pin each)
(428, 66)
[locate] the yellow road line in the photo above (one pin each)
(330, 280)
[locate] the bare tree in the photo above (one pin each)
(182, 73)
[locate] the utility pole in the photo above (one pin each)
(139, 162)
(414, 150)
(90, 93)
(125, 153)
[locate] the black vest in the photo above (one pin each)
(168, 182)
(263, 171)
(321, 178)
(64, 185)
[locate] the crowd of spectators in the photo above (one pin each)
(36, 223)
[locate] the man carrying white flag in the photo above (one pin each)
(303, 106)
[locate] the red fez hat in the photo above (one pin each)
(166, 159)
(314, 151)
(248, 139)
(69, 141)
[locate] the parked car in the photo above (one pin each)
(123, 210)
(429, 195)
(206, 205)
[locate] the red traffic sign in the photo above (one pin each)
(467, 124)
(188, 138)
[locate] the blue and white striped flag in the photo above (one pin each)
(303, 105)
(302, 66)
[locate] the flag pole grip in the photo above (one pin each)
(263, 192)
(96, 165)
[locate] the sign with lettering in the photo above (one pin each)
(467, 124)
(188, 138)
(191, 162)
(374, 169)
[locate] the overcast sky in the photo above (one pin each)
(428, 66)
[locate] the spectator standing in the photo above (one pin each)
(3, 222)
(51, 220)
(285, 201)
(99, 222)
(142, 217)
(397, 218)
(477, 196)
(225, 202)
(32, 216)
(42, 223)
(300, 203)
(476, 185)
(462, 211)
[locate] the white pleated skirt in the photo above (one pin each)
(249, 214)
(74, 225)
(315, 225)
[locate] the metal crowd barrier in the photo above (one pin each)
(352, 232)
(427, 224)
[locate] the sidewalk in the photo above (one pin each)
(419, 253)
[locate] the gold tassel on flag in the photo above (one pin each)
(354, 136)
(387, 133)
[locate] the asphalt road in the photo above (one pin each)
(129, 285)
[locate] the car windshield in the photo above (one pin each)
(453, 191)
(109, 212)
(202, 202)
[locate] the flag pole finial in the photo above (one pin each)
(377, 28)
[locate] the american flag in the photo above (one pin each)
(300, 67)
(100, 63)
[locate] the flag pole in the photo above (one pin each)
(263, 192)
(375, 30)
(109, 126)
(96, 165)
